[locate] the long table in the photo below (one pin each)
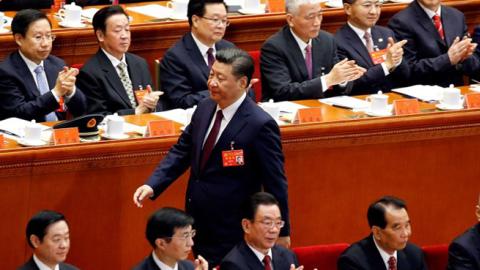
(335, 168)
(151, 38)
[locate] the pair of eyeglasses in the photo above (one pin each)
(39, 39)
(268, 223)
(217, 21)
(186, 235)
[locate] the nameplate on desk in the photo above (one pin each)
(406, 106)
(159, 128)
(66, 136)
(276, 6)
(308, 115)
(472, 100)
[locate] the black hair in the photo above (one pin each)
(24, 18)
(241, 61)
(250, 206)
(197, 7)
(39, 223)
(100, 18)
(163, 222)
(376, 210)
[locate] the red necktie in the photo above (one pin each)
(308, 60)
(266, 262)
(210, 57)
(368, 41)
(438, 25)
(392, 263)
(212, 136)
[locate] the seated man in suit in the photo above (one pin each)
(300, 61)
(464, 251)
(170, 233)
(372, 47)
(261, 223)
(33, 83)
(438, 49)
(185, 66)
(231, 125)
(49, 237)
(113, 78)
(387, 246)
(23, 4)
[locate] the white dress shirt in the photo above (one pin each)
(261, 256)
(385, 255)
(161, 265)
(42, 266)
(203, 48)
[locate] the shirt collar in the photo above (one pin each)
(30, 64)
(260, 255)
(360, 32)
(114, 60)
(42, 266)
(202, 47)
(431, 13)
(161, 265)
(384, 254)
(229, 111)
(300, 42)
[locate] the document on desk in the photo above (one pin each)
(88, 13)
(14, 128)
(153, 10)
(346, 102)
(176, 115)
(427, 93)
(475, 87)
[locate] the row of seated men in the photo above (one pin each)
(6, 5)
(170, 232)
(299, 62)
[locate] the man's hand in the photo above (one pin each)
(394, 53)
(284, 241)
(344, 71)
(201, 263)
(65, 83)
(292, 267)
(151, 99)
(141, 193)
(461, 50)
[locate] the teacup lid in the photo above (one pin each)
(380, 94)
(72, 6)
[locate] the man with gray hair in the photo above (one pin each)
(300, 61)
(464, 251)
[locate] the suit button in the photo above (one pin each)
(189, 200)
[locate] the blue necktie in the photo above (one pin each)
(43, 88)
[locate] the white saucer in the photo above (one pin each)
(4, 30)
(334, 4)
(177, 17)
(116, 137)
(24, 142)
(63, 24)
(444, 107)
(251, 11)
(372, 113)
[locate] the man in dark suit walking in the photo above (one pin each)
(387, 246)
(372, 47)
(185, 67)
(233, 150)
(48, 235)
(464, 251)
(113, 78)
(33, 83)
(300, 61)
(169, 231)
(261, 225)
(438, 48)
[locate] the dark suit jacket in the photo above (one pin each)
(284, 73)
(149, 264)
(364, 255)
(216, 193)
(426, 52)
(22, 4)
(351, 46)
(464, 251)
(241, 257)
(476, 39)
(103, 87)
(31, 265)
(184, 73)
(20, 97)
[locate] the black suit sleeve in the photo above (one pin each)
(347, 263)
(229, 265)
(459, 258)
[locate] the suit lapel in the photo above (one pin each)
(427, 23)
(200, 131)
(112, 77)
(24, 72)
(278, 260)
(50, 72)
(297, 54)
(135, 72)
(250, 258)
(449, 23)
(374, 258)
(195, 54)
(358, 45)
(402, 262)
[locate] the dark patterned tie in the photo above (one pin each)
(211, 58)
(210, 142)
(267, 262)
(127, 84)
(368, 41)
(308, 60)
(438, 25)
(392, 263)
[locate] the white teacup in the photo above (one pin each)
(2, 19)
(272, 108)
(451, 97)
(114, 126)
(251, 4)
(32, 132)
(72, 14)
(179, 8)
(378, 102)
